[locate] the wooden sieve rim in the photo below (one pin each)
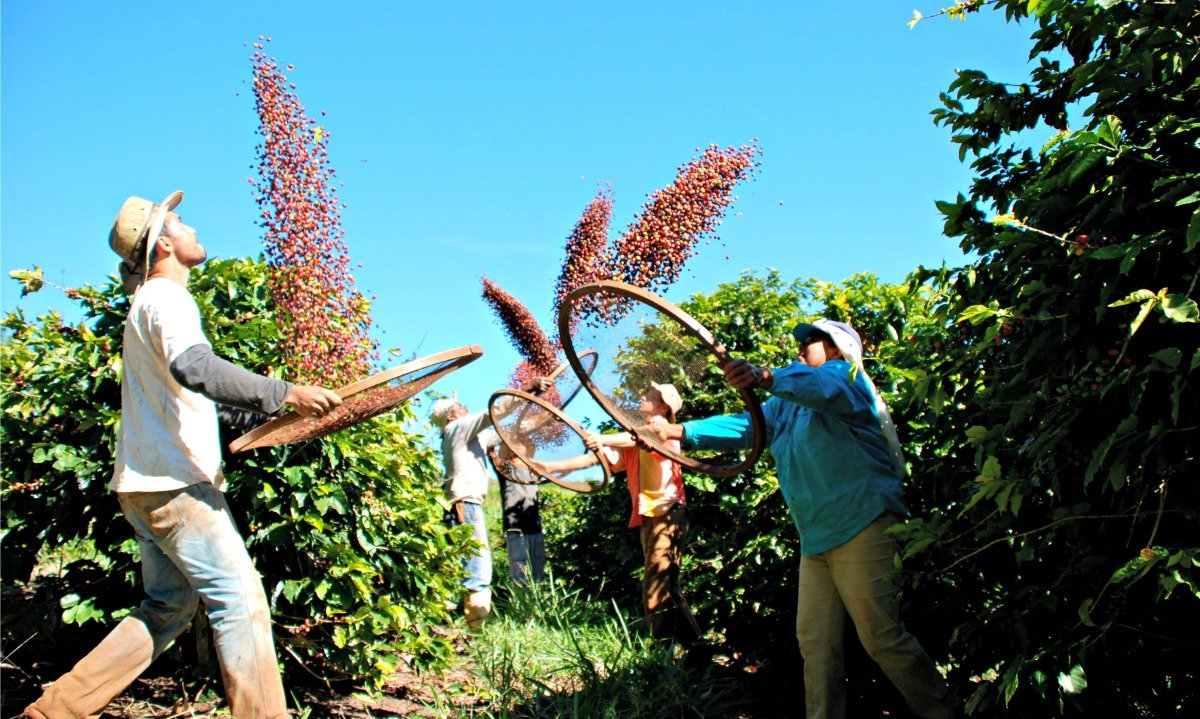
(693, 328)
(581, 487)
(468, 353)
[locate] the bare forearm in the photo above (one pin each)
(563, 466)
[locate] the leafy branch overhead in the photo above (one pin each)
(1057, 423)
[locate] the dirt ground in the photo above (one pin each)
(164, 693)
(36, 649)
(159, 695)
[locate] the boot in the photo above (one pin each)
(478, 607)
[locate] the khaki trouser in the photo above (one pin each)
(663, 538)
(858, 578)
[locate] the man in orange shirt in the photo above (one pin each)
(659, 509)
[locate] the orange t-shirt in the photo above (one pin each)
(655, 482)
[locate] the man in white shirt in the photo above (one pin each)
(466, 437)
(168, 481)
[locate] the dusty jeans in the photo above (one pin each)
(667, 610)
(191, 550)
(858, 578)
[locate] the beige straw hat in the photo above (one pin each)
(670, 396)
(134, 234)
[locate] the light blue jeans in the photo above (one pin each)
(191, 550)
(479, 565)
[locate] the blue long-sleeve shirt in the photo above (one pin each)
(834, 468)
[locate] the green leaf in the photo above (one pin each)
(1108, 253)
(1003, 495)
(78, 610)
(1012, 680)
(1073, 682)
(1110, 131)
(976, 435)
(1100, 453)
(1117, 476)
(1085, 613)
(1170, 356)
(976, 314)
(1084, 164)
(293, 587)
(1142, 314)
(1180, 308)
(1131, 256)
(916, 546)
(1134, 298)
(1193, 232)
(31, 280)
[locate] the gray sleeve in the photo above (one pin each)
(240, 420)
(223, 382)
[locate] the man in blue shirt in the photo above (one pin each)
(840, 471)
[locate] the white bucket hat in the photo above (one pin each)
(844, 337)
(134, 234)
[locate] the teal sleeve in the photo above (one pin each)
(824, 389)
(722, 432)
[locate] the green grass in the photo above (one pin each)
(550, 652)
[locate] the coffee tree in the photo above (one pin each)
(346, 530)
(1054, 392)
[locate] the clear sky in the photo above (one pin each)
(470, 136)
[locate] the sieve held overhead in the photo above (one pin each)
(537, 432)
(642, 340)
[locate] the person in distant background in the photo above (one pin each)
(522, 519)
(466, 438)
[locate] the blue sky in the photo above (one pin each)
(470, 137)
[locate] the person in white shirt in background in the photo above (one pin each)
(466, 438)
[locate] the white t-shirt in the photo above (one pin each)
(169, 438)
(464, 451)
